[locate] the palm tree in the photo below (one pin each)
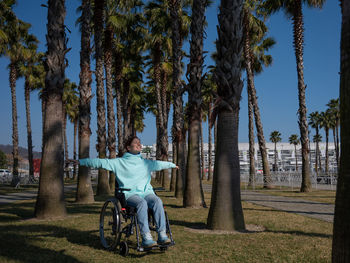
(314, 121)
(275, 137)
(14, 36)
(32, 69)
(293, 9)
(226, 208)
(325, 123)
(317, 139)
(341, 226)
(193, 192)
(50, 200)
(333, 106)
(84, 192)
(293, 139)
(255, 45)
(179, 30)
(103, 182)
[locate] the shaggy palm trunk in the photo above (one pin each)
(118, 77)
(103, 182)
(173, 171)
(252, 172)
(335, 147)
(12, 79)
(84, 192)
(254, 101)
(66, 157)
(226, 208)
(126, 109)
(341, 226)
(75, 148)
(50, 200)
(275, 168)
(298, 29)
(210, 162)
(193, 193)
(29, 129)
(202, 153)
(178, 118)
(164, 137)
(111, 141)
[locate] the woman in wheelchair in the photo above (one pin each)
(134, 172)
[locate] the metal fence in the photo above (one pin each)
(292, 180)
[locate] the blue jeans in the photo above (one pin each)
(142, 204)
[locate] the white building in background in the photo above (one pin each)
(286, 154)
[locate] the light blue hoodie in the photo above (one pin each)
(132, 171)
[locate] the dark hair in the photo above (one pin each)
(129, 141)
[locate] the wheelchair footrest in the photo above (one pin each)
(161, 247)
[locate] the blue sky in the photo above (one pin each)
(276, 86)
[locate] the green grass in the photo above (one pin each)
(287, 237)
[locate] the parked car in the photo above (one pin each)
(4, 172)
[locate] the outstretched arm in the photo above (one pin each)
(161, 165)
(97, 163)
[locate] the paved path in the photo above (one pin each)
(321, 211)
(27, 195)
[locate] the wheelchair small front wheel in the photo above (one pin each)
(123, 249)
(110, 224)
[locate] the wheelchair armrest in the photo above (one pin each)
(123, 189)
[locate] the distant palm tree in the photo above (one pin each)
(275, 137)
(293, 139)
(326, 122)
(314, 122)
(293, 9)
(226, 208)
(50, 200)
(255, 45)
(341, 226)
(14, 35)
(333, 106)
(317, 139)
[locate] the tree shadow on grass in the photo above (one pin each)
(299, 233)
(193, 225)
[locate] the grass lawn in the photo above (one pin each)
(285, 237)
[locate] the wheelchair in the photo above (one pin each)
(118, 222)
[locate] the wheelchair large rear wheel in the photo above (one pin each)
(110, 224)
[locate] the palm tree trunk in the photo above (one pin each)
(12, 80)
(50, 200)
(29, 129)
(316, 158)
(254, 101)
(210, 162)
(226, 211)
(118, 78)
(275, 169)
(173, 171)
(296, 157)
(252, 172)
(84, 192)
(335, 147)
(66, 157)
(326, 161)
(202, 152)
(103, 182)
(193, 193)
(298, 28)
(341, 226)
(338, 152)
(111, 141)
(178, 119)
(75, 148)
